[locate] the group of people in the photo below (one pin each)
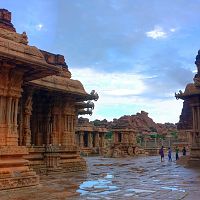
(162, 155)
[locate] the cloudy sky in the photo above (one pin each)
(135, 53)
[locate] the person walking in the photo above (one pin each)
(184, 151)
(161, 152)
(169, 154)
(177, 151)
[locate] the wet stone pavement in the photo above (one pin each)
(141, 178)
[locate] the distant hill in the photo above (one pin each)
(140, 122)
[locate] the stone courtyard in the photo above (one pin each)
(141, 178)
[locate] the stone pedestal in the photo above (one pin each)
(14, 169)
(194, 160)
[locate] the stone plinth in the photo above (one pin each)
(55, 159)
(194, 160)
(14, 169)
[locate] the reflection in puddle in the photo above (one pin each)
(155, 180)
(139, 190)
(109, 176)
(100, 186)
(173, 188)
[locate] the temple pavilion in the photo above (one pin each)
(190, 117)
(39, 107)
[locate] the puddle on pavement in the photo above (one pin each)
(139, 190)
(109, 176)
(156, 180)
(173, 188)
(99, 186)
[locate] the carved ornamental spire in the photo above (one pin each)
(5, 20)
(197, 62)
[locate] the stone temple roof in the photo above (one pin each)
(14, 49)
(192, 89)
(41, 68)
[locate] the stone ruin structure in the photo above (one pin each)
(128, 129)
(39, 105)
(124, 142)
(124, 139)
(90, 138)
(190, 117)
(123, 135)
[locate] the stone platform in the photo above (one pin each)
(14, 169)
(140, 178)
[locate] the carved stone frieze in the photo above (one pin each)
(13, 150)
(18, 182)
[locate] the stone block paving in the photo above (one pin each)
(139, 178)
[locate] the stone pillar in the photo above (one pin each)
(102, 140)
(195, 146)
(124, 137)
(10, 92)
(54, 134)
(196, 125)
(115, 137)
(97, 139)
(65, 129)
(81, 139)
(49, 129)
(14, 169)
(90, 140)
(26, 124)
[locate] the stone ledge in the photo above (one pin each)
(13, 150)
(10, 183)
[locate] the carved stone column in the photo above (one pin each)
(49, 129)
(97, 139)
(124, 137)
(195, 146)
(196, 124)
(26, 124)
(55, 124)
(81, 139)
(10, 92)
(11, 160)
(115, 135)
(89, 139)
(65, 129)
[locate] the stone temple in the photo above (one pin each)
(39, 106)
(190, 116)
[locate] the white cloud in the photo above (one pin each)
(172, 29)
(194, 71)
(118, 84)
(156, 33)
(159, 33)
(125, 91)
(39, 27)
